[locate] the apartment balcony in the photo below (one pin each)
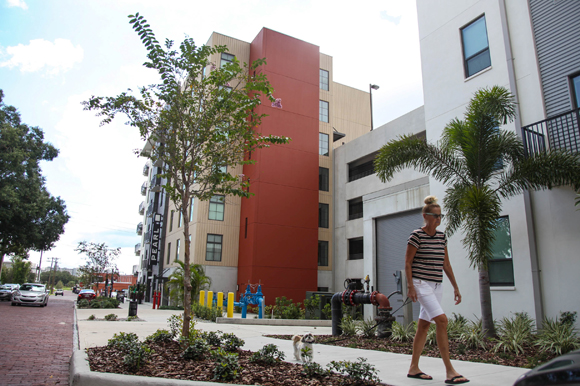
(140, 228)
(137, 249)
(144, 188)
(142, 208)
(151, 210)
(146, 169)
(558, 132)
(156, 184)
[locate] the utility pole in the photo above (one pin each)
(54, 260)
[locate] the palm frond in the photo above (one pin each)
(452, 204)
(495, 101)
(409, 151)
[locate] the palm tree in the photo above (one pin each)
(198, 279)
(480, 164)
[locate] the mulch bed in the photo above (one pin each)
(166, 362)
(531, 357)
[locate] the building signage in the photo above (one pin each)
(155, 242)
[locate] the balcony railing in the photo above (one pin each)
(137, 249)
(156, 184)
(146, 169)
(144, 188)
(150, 209)
(140, 228)
(560, 132)
(142, 208)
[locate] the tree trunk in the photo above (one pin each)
(485, 302)
(186, 268)
(1, 261)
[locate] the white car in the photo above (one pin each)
(59, 292)
(31, 293)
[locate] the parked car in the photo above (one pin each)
(7, 291)
(59, 292)
(32, 294)
(563, 370)
(87, 294)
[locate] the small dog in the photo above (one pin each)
(300, 342)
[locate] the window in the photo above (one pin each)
(322, 215)
(501, 268)
(323, 144)
(171, 221)
(361, 168)
(177, 245)
(323, 111)
(168, 252)
(213, 250)
(576, 91)
(322, 253)
(216, 208)
(226, 59)
(180, 220)
(322, 289)
(323, 79)
(323, 179)
(355, 208)
(191, 209)
(355, 249)
(475, 47)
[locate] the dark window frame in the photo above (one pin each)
(225, 58)
(323, 215)
(356, 251)
(323, 179)
(168, 253)
(214, 204)
(477, 54)
(177, 249)
(323, 246)
(355, 208)
(213, 251)
(505, 263)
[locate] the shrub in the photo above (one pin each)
(206, 313)
(401, 333)
(367, 328)
(135, 352)
(311, 306)
(83, 303)
(313, 369)
(456, 326)
(111, 317)
(123, 340)
(95, 304)
(130, 318)
(514, 333)
(327, 311)
(557, 337)
(431, 335)
(213, 338)
(231, 342)
(473, 336)
(348, 326)
(568, 317)
(160, 336)
(227, 367)
(176, 326)
(269, 355)
(359, 372)
(286, 309)
(92, 317)
(196, 350)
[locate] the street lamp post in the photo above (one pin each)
(371, 88)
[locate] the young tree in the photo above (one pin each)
(30, 217)
(198, 279)
(99, 259)
(198, 121)
(481, 164)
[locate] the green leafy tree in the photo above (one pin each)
(99, 259)
(199, 281)
(63, 276)
(198, 121)
(481, 164)
(30, 217)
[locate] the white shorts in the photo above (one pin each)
(429, 295)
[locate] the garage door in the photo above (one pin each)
(392, 234)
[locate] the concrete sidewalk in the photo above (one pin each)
(392, 368)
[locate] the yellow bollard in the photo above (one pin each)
(209, 299)
(201, 298)
(230, 304)
(220, 301)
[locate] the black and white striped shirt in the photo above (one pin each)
(428, 261)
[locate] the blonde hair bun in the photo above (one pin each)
(430, 200)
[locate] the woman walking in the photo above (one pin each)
(425, 261)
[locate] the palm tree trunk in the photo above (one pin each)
(485, 302)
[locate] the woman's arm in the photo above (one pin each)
(409, 256)
(449, 272)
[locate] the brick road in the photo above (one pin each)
(36, 343)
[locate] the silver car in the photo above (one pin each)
(31, 293)
(7, 290)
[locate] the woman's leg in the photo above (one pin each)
(418, 345)
(443, 344)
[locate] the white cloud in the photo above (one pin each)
(17, 3)
(40, 54)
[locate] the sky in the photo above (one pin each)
(54, 54)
